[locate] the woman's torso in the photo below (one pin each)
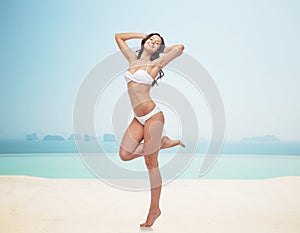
(139, 93)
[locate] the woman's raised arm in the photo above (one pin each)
(129, 54)
(170, 54)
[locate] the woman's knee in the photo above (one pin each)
(124, 155)
(151, 163)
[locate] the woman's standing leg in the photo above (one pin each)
(152, 138)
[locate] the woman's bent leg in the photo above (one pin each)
(131, 147)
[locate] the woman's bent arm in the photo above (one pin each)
(129, 54)
(170, 54)
(168, 49)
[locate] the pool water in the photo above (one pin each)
(228, 166)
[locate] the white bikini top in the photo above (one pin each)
(139, 76)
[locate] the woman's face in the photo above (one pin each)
(152, 44)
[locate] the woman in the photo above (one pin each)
(143, 72)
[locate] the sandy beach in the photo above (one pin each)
(33, 204)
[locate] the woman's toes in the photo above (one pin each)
(144, 225)
(181, 144)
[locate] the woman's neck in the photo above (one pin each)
(145, 56)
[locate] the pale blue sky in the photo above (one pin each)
(250, 48)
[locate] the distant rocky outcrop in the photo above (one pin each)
(266, 138)
(88, 138)
(31, 137)
(109, 138)
(53, 138)
(75, 137)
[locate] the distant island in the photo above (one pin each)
(88, 138)
(109, 138)
(53, 138)
(73, 137)
(266, 138)
(31, 137)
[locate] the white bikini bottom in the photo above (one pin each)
(143, 119)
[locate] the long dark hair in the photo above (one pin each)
(154, 55)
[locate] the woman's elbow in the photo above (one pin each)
(181, 47)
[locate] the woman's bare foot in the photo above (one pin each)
(152, 216)
(167, 142)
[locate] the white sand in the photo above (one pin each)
(31, 204)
